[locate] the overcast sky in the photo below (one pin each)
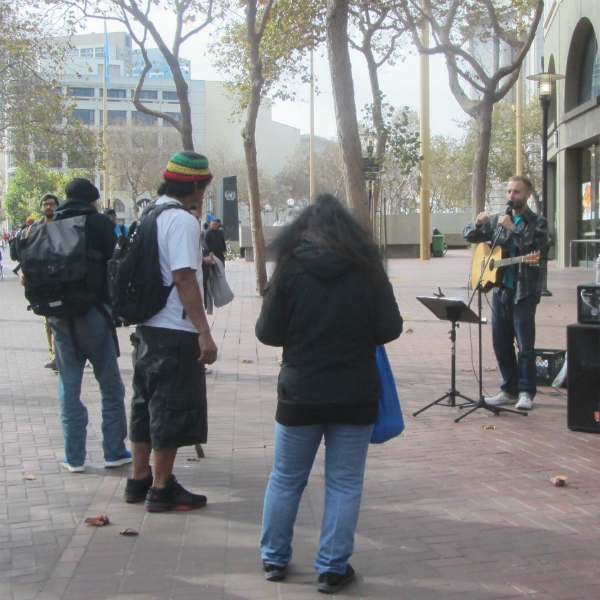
(399, 83)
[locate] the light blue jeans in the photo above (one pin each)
(345, 456)
(95, 340)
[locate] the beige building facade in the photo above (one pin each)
(571, 37)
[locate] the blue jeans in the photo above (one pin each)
(512, 321)
(96, 343)
(345, 456)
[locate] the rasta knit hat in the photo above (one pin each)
(188, 166)
(82, 189)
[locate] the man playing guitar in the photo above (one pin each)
(519, 232)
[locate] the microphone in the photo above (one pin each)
(509, 207)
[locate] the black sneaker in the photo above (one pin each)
(330, 583)
(136, 490)
(173, 497)
(273, 572)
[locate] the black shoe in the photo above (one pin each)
(136, 490)
(273, 572)
(330, 583)
(173, 497)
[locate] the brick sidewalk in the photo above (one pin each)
(449, 510)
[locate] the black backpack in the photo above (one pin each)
(63, 276)
(135, 281)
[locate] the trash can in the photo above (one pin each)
(437, 245)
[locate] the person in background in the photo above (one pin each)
(214, 239)
(120, 228)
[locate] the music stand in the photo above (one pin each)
(455, 311)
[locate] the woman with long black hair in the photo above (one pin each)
(329, 303)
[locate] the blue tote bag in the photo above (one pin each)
(389, 421)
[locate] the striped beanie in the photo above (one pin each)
(188, 166)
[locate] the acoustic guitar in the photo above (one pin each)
(494, 272)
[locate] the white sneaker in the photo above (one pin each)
(501, 397)
(71, 468)
(207, 370)
(525, 401)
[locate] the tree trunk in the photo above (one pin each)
(249, 135)
(483, 120)
(377, 121)
(345, 109)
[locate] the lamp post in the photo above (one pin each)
(545, 88)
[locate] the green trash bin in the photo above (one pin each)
(437, 245)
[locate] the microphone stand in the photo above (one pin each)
(481, 403)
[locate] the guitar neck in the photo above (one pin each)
(504, 262)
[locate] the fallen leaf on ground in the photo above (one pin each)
(409, 330)
(559, 480)
(191, 459)
(247, 361)
(128, 531)
(465, 370)
(488, 427)
(491, 369)
(98, 521)
(29, 477)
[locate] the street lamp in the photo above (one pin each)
(545, 88)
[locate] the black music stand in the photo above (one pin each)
(455, 311)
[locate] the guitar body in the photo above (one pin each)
(491, 276)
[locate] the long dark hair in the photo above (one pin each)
(328, 225)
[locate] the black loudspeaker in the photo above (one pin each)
(583, 378)
(227, 207)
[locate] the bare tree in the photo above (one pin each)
(191, 17)
(137, 157)
(457, 27)
(345, 108)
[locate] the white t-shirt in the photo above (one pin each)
(178, 248)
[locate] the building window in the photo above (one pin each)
(113, 93)
(50, 159)
(118, 205)
(99, 52)
(115, 117)
(175, 115)
(589, 75)
(81, 92)
(148, 95)
(169, 96)
(84, 115)
(86, 52)
(140, 118)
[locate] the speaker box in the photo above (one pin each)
(583, 378)
(588, 303)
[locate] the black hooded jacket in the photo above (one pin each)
(329, 316)
(100, 231)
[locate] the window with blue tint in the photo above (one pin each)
(114, 93)
(169, 96)
(589, 74)
(81, 92)
(148, 95)
(84, 115)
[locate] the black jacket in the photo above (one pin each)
(214, 240)
(328, 316)
(100, 232)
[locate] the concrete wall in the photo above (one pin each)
(402, 233)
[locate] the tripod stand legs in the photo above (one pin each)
(481, 403)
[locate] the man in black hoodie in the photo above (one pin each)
(90, 337)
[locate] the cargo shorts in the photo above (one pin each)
(169, 407)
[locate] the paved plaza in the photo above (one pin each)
(450, 511)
